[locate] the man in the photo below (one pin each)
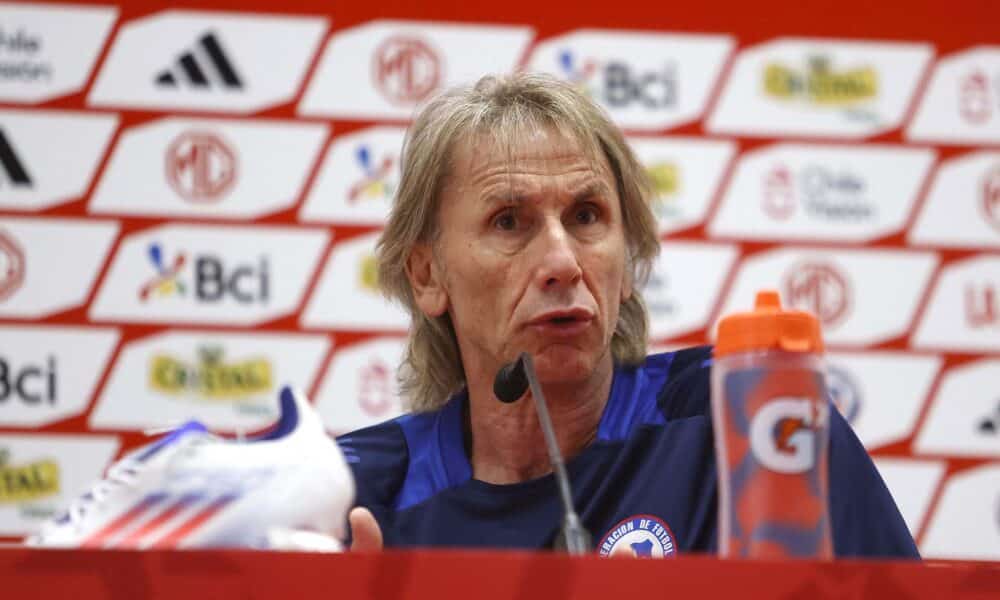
(522, 224)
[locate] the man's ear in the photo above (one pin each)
(427, 281)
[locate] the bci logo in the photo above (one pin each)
(620, 85)
(31, 384)
(212, 279)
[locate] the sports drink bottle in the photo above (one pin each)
(770, 412)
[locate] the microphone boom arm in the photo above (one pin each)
(574, 535)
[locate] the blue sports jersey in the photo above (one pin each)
(646, 485)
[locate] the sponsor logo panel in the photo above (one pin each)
(348, 295)
(39, 277)
(49, 51)
(963, 206)
(202, 274)
(645, 81)
(911, 483)
(41, 474)
(835, 193)
(385, 69)
(674, 306)
(964, 310)
(962, 101)
(860, 296)
(966, 524)
(37, 168)
(880, 393)
(358, 178)
(48, 374)
(360, 388)
(837, 89)
(964, 419)
(195, 167)
(685, 173)
(226, 381)
(207, 61)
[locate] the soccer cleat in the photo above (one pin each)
(193, 489)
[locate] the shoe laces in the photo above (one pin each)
(122, 475)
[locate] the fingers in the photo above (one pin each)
(367, 537)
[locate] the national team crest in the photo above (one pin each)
(642, 536)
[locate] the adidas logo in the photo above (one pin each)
(201, 67)
(17, 175)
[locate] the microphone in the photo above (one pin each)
(510, 384)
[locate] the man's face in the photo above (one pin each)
(531, 257)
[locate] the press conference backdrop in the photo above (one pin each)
(189, 200)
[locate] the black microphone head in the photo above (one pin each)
(511, 381)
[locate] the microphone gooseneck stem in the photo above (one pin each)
(576, 536)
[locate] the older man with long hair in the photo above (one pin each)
(522, 224)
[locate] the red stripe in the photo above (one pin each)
(172, 539)
(98, 538)
(132, 540)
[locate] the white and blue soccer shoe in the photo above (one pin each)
(288, 488)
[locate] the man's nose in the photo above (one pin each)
(557, 254)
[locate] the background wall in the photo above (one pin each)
(189, 194)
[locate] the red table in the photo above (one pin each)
(440, 575)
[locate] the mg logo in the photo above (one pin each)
(991, 197)
(201, 167)
(406, 69)
(982, 306)
(974, 98)
(820, 289)
(11, 266)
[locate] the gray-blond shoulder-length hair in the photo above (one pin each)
(504, 109)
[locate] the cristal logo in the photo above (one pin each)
(406, 70)
(820, 84)
(982, 306)
(844, 393)
(210, 377)
(974, 103)
(375, 391)
(376, 181)
(201, 167)
(778, 197)
(24, 483)
(783, 434)
(11, 266)
(820, 289)
(666, 181)
(30, 384)
(368, 274)
(991, 197)
(213, 280)
(622, 85)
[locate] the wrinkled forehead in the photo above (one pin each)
(535, 149)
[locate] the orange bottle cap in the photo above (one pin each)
(769, 327)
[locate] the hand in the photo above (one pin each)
(367, 537)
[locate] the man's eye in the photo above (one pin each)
(506, 221)
(587, 215)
